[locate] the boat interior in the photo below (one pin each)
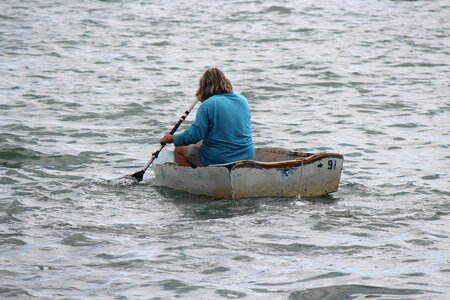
(272, 154)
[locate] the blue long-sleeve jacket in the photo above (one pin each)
(223, 123)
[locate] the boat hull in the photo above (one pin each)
(276, 173)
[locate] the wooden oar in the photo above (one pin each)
(140, 174)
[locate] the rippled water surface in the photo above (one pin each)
(88, 87)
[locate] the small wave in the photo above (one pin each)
(17, 207)
(354, 154)
(17, 293)
(372, 132)
(420, 242)
(326, 276)
(7, 180)
(279, 248)
(308, 30)
(5, 17)
(54, 54)
(129, 263)
(431, 177)
(215, 270)
(14, 157)
(12, 241)
(88, 133)
(416, 274)
(79, 71)
(422, 65)
(176, 285)
(160, 44)
(39, 76)
(404, 125)
(350, 291)
(356, 188)
(85, 116)
(243, 258)
(333, 84)
(107, 256)
(79, 239)
(314, 132)
(96, 23)
(278, 9)
(293, 66)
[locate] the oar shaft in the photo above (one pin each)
(174, 129)
(183, 117)
(154, 156)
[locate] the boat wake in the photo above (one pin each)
(126, 180)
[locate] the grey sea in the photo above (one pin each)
(87, 88)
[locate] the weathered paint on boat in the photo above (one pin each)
(275, 172)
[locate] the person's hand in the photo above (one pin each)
(167, 139)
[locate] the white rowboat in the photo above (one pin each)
(275, 172)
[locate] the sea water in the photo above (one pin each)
(88, 88)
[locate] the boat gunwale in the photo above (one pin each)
(282, 164)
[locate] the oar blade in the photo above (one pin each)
(138, 175)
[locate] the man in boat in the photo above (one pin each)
(221, 132)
